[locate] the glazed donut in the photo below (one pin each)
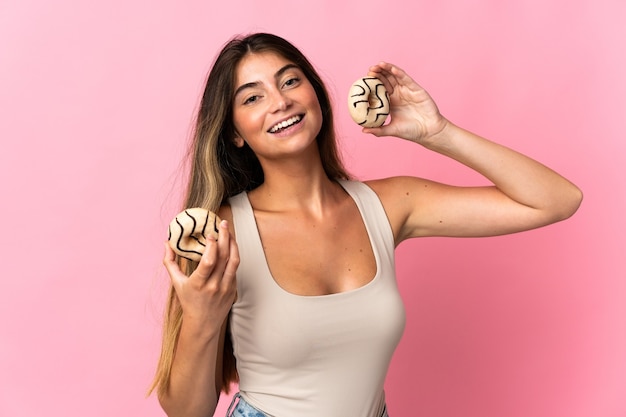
(189, 230)
(368, 102)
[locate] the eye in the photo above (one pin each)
(251, 99)
(291, 82)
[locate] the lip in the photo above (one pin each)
(301, 115)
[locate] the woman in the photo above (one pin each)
(314, 314)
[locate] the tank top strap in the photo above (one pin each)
(243, 215)
(367, 201)
(374, 216)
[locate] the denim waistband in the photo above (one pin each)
(240, 408)
(243, 409)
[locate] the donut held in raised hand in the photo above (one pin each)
(368, 102)
(189, 230)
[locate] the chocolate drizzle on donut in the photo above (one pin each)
(370, 94)
(192, 232)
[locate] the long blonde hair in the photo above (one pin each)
(220, 170)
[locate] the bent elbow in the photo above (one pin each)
(568, 204)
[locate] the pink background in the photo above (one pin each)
(96, 100)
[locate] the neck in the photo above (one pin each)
(294, 185)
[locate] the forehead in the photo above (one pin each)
(257, 66)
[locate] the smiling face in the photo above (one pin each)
(275, 108)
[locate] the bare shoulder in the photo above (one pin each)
(226, 213)
(394, 187)
(395, 192)
(401, 197)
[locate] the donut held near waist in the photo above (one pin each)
(368, 102)
(188, 232)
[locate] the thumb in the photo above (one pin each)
(172, 267)
(378, 131)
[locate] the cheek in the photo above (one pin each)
(318, 113)
(244, 123)
(315, 104)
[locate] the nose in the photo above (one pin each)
(280, 101)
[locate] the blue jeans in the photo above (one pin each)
(243, 409)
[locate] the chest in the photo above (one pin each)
(302, 334)
(309, 256)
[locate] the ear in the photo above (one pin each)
(238, 141)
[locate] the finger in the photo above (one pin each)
(223, 248)
(215, 256)
(391, 69)
(208, 261)
(172, 267)
(378, 131)
(402, 78)
(223, 239)
(382, 68)
(232, 264)
(386, 69)
(397, 76)
(384, 76)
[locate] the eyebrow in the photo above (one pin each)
(278, 74)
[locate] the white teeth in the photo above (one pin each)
(286, 123)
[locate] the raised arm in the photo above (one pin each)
(206, 297)
(525, 194)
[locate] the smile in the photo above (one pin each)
(285, 124)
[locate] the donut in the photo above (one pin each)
(368, 102)
(189, 230)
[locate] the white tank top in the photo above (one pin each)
(315, 356)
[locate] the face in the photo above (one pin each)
(275, 109)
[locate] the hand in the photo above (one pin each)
(414, 114)
(207, 295)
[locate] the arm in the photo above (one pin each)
(206, 297)
(525, 194)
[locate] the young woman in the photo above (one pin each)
(300, 286)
